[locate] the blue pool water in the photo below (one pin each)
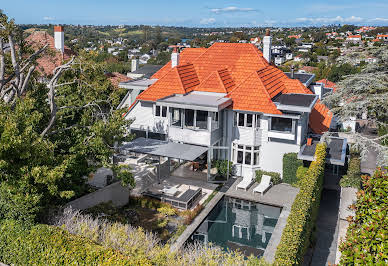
(238, 224)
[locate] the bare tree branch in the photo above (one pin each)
(51, 94)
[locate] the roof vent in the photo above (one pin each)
(292, 71)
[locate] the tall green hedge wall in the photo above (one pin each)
(47, 245)
(296, 235)
(367, 236)
(290, 166)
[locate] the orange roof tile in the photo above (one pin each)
(328, 84)
(116, 77)
(49, 60)
(238, 70)
(252, 95)
(218, 81)
(186, 56)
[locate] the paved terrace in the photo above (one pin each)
(282, 195)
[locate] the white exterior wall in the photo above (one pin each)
(271, 155)
(144, 119)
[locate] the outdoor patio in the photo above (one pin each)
(180, 189)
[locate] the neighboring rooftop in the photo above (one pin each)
(336, 150)
(116, 78)
(52, 58)
(327, 84)
(305, 78)
(147, 70)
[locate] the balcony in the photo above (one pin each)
(248, 135)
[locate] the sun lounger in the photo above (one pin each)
(264, 185)
(245, 183)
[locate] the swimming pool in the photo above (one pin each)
(238, 224)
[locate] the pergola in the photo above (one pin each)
(168, 149)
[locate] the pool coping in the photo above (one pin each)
(178, 244)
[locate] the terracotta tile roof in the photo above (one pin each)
(51, 58)
(240, 71)
(320, 118)
(252, 95)
(218, 81)
(188, 55)
(179, 80)
(328, 84)
(116, 77)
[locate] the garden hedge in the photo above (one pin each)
(296, 234)
(275, 177)
(353, 175)
(48, 245)
(290, 166)
(367, 235)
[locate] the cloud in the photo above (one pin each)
(379, 20)
(207, 21)
(48, 18)
(326, 20)
(231, 9)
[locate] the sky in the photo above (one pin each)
(198, 13)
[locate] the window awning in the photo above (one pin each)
(164, 148)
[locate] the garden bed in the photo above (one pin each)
(150, 214)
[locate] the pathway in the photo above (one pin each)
(327, 229)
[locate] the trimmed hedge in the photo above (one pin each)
(353, 175)
(275, 177)
(367, 235)
(48, 245)
(290, 166)
(296, 234)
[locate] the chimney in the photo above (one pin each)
(292, 71)
(267, 42)
(59, 38)
(135, 64)
(174, 58)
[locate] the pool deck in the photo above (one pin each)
(281, 195)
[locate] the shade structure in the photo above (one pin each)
(162, 148)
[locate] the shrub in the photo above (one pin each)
(290, 166)
(297, 232)
(49, 245)
(353, 175)
(366, 238)
(222, 167)
(275, 177)
(301, 173)
(191, 214)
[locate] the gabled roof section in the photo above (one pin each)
(320, 118)
(241, 59)
(218, 81)
(179, 80)
(272, 79)
(188, 55)
(252, 95)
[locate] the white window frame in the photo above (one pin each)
(161, 107)
(253, 150)
(236, 117)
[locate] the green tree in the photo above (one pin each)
(54, 134)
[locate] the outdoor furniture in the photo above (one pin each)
(185, 201)
(264, 185)
(245, 183)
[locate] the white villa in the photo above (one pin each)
(229, 101)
